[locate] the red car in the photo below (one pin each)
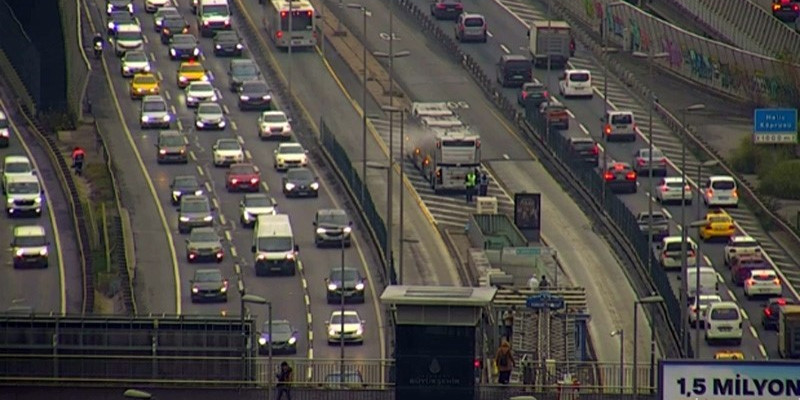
(242, 177)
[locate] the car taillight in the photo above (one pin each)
(631, 176)
(694, 308)
(710, 192)
(751, 281)
(735, 193)
(640, 161)
(459, 6)
(731, 226)
(664, 254)
(663, 161)
(691, 253)
(279, 34)
(781, 302)
(776, 7)
(709, 226)
(607, 129)
(234, 181)
(595, 150)
(795, 7)
(665, 188)
(776, 281)
(524, 94)
(608, 176)
(767, 312)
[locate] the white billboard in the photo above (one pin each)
(729, 380)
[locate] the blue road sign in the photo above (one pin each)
(545, 300)
(775, 126)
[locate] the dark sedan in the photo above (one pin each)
(584, 149)
(227, 43)
(184, 184)
(352, 289)
(117, 18)
(446, 9)
(282, 338)
(300, 182)
(240, 71)
(255, 95)
(172, 26)
(620, 178)
(183, 46)
(209, 285)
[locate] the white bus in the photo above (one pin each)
(297, 31)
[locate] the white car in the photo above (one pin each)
(209, 116)
(134, 62)
(673, 189)
(697, 311)
(15, 166)
(274, 124)
(255, 204)
(762, 282)
(198, 92)
(353, 327)
(152, 6)
(720, 190)
(739, 246)
(289, 155)
(724, 322)
(227, 152)
(670, 255)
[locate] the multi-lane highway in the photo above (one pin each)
(300, 299)
(48, 290)
(586, 116)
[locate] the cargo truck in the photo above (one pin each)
(789, 331)
(550, 39)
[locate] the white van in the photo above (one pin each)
(720, 190)
(723, 322)
(576, 83)
(709, 283)
(274, 248)
(213, 15)
(619, 125)
(128, 37)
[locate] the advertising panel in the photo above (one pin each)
(729, 380)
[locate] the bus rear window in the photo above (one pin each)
(459, 143)
(301, 21)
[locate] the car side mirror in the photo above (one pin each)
(275, 151)
(296, 248)
(213, 208)
(41, 191)
(363, 322)
(288, 120)
(679, 277)
(314, 223)
(350, 223)
(327, 322)
(306, 151)
(186, 240)
(253, 248)
(191, 281)
(214, 147)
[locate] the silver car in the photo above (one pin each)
(332, 226)
(471, 27)
(209, 116)
(198, 92)
(642, 166)
(154, 113)
(134, 62)
(194, 211)
(255, 204)
(204, 244)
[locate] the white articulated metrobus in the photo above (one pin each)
(299, 30)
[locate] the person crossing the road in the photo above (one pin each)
(469, 182)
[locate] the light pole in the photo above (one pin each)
(137, 394)
(342, 305)
(366, 13)
(621, 334)
(392, 111)
(684, 258)
(643, 300)
(389, 201)
(697, 263)
(651, 57)
(253, 299)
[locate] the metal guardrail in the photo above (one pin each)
(745, 24)
(733, 72)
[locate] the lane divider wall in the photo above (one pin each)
(574, 179)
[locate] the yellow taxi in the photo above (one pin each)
(718, 225)
(144, 84)
(191, 71)
(729, 355)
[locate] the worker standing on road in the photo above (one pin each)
(284, 380)
(484, 184)
(469, 182)
(504, 360)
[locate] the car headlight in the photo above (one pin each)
(262, 341)
(126, 68)
(38, 200)
(165, 118)
(184, 219)
(199, 124)
(208, 218)
(239, 46)
(145, 118)
(244, 98)
(204, 78)
(172, 51)
(19, 252)
(176, 194)
(190, 98)
(267, 97)
(218, 47)
(261, 257)
(289, 186)
(195, 289)
(198, 192)
(146, 68)
(332, 286)
(110, 25)
(332, 332)
(223, 289)
(247, 216)
(221, 123)
(292, 340)
(314, 185)
(290, 256)
(359, 330)
(10, 200)
(359, 286)
(347, 229)
(214, 97)
(196, 51)
(130, 8)
(182, 78)
(321, 230)
(109, 8)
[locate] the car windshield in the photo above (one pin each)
(242, 170)
(244, 70)
(622, 119)
(676, 246)
(203, 236)
(723, 185)
(518, 64)
(654, 217)
(192, 68)
(333, 219)
(706, 300)
(291, 150)
(214, 276)
(255, 87)
(579, 77)
(473, 22)
(174, 22)
(125, 35)
(135, 57)
(226, 37)
(172, 141)
(645, 153)
(257, 202)
(167, 12)
(30, 241)
(719, 220)
(278, 328)
(187, 182)
(221, 10)
(763, 276)
(348, 319)
(674, 184)
(725, 314)
(298, 175)
(23, 188)
(200, 87)
(154, 106)
(196, 206)
(349, 274)
(184, 39)
(273, 117)
(228, 145)
(209, 109)
(274, 244)
(581, 144)
(145, 80)
(744, 243)
(17, 168)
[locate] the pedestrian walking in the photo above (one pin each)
(543, 283)
(77, 159)
(284, 381)
(484, 184)
(504, 360)
(508, 322)
(469, 183)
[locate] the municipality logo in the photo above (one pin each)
(434, 367)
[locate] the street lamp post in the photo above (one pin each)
(643, 300)
(684, 259)
(342, 304)
(366, 13)
(392, 111)
(697, 263)
(621, 334)
(391, 55)
(253, 299)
